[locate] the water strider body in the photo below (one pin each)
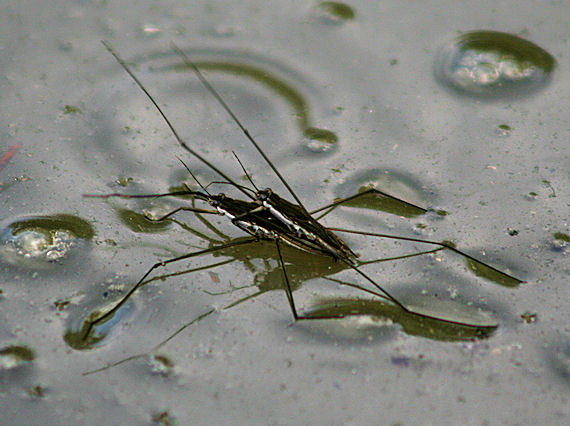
(267, 216)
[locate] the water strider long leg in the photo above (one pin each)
(155, 348)
(445, 245)
(185, 209)
(404, 256)
(169, 124)
(168, 194)
(330, 207)
(120, 195)
(217, 96)
(120, 303)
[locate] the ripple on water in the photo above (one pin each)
(36, 242)
(493, 65)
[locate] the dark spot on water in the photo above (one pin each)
(124, 181)
(60, 305)
(400, 361)
(37, 391)
(529, 317)
(70, 109)
(163, 418)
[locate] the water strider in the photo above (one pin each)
(267, 216)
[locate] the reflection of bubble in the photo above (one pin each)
(333, 13)
(37, 241)
(391, 182)
(493, 64)
(319, 140)
(15, 356)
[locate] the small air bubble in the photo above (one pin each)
(503, 130)
(14, 356)
(320, 140)
(333, 13)
(161, 364)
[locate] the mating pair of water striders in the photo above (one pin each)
(267, 216)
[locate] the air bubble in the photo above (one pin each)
(38, 241)
(333, 13)
(503, 130)
(14, 356)
(161, 364)
(493, 64)
(319, 141)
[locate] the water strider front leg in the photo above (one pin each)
(167, 194)
(178, 209)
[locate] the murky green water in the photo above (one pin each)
(458, 108)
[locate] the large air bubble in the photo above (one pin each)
(493, 65)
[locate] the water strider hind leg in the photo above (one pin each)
(442, 244)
